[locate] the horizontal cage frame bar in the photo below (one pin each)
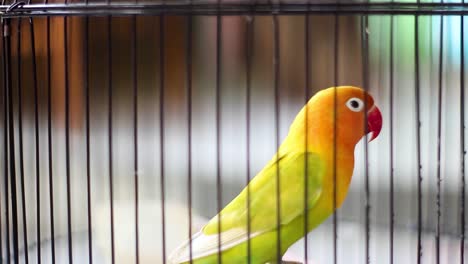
(184, 8)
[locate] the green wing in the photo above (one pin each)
(291, 169)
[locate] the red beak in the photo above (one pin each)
(374, 122)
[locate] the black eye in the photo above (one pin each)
(355, 104)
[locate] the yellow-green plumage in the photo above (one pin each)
(310, 145)
(263, 199)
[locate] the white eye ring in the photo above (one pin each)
(355, 104)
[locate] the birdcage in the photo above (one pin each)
(127, 126)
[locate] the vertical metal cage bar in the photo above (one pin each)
(4, 160)
(49, 141)
(335, 135)
(88, 151)
(188, 76)
(4, 150)
(365, 81)
(67, 140)
(462, 140)
(5, 139)
(439, 136)
(135, 135)
(36, 131)
(276, 73)
(219, 25)
(110, 147)
(249, 42)
(418, 134)
(161, 125)
(20, 139)
(392, 200)
(4, 165)
(306, 127)
(11, 138)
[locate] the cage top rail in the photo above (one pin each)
(229, 8)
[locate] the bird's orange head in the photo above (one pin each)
(349, 111)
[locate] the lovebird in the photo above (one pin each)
(300, 178)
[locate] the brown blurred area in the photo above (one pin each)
(292, 61)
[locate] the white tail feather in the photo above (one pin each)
(206, 245)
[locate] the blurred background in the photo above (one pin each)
(233, 131)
